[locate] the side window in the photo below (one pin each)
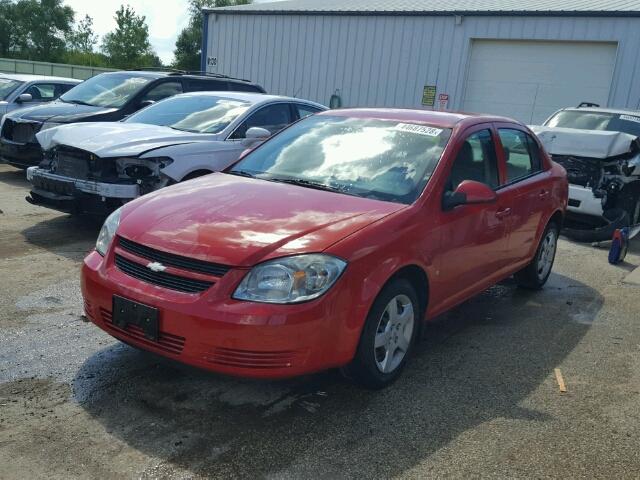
(163, 90)
(521, 153)
(42, 92)
(206, 86)
(476, 160)
(63, 88)
(272, 117)
(306, 110)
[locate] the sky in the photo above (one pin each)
(166, 18)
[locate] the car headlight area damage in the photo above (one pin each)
(603, 169)
(75, 180)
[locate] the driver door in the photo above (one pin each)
(474, 238)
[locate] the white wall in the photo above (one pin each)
(387, 60)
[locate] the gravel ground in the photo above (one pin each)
(479, 399)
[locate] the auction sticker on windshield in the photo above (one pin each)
(419, 129)
(630, 118)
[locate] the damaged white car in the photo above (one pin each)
(600, 150)
(97, 167)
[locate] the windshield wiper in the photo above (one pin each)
(242, 173)
(78, 102)
(307, 183)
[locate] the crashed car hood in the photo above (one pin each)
(584, 143)
(241, 221)
(115, 139)
(61, 112)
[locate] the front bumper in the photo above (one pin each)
(583, 201)
(41, 178)
(21, 155)
(214, 332)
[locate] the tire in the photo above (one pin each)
(392, 325)
(630, 202)
(535, 275)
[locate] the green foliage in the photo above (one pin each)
(189, 43)
(82, 38)
(128, 45)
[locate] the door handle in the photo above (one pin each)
(505, 212)
(543, 194)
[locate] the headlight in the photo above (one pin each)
(290, 279)
(107, 232)
(48, 125)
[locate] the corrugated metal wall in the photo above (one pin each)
(387, 60)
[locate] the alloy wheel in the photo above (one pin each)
(394, 333)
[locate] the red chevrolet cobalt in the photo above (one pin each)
(330, 244)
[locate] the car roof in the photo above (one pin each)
(622, 111)
(253, 98)
(440, 119)
(23, 77)
(161, 72)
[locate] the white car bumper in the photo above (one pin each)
(582, 200)
(107, 190)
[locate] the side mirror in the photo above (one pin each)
(469, 192)
(24, 98)
(146, 103)
(255, 135)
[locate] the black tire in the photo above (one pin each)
(365, 369)
(629, 201)
(533, 276)
(196, 174)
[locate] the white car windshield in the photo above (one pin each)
(586, 120)
(193, 113)
(110, 90)
(379, 159)
(8, 85)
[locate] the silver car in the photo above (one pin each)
(18, 91)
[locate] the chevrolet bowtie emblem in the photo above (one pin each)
(156, 267)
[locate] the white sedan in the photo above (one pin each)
(97, 167)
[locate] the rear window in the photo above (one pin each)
(586, 120)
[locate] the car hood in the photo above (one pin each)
(116, 139)
(60, 112)
(240, 221)
(584, 143)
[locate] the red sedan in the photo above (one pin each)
(330, 244)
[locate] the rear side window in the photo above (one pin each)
(272, 117)
(42, 92)
(306, 110)
(521, 153)
(207, 86)
(476, 160)
(163, 90)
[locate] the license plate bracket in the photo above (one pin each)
(127, 312)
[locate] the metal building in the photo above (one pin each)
(522, 58)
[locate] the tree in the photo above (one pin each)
(82, 38)
(189, 43)
(128, 45)
(7, 37)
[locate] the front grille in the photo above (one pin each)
(586, 172)
(20, 132)
(162, 279)
(166, 341)
(173, 260)
(252, 359)
(71, 162)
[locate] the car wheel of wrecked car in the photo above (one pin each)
(612, 219)
(196, 174)
(535, 275)
(387, 337)
(630, 202)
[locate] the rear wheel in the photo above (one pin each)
(388, 336)
(535, 275)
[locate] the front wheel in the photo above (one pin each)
(388, 336)
(535, 275)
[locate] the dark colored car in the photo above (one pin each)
(107, 97)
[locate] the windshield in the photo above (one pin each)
(378, 159)
(8, 85)
(106, 90)
(193, 113)
(612, 122)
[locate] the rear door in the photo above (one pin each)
(526, 181)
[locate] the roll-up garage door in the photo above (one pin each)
(529, 80)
